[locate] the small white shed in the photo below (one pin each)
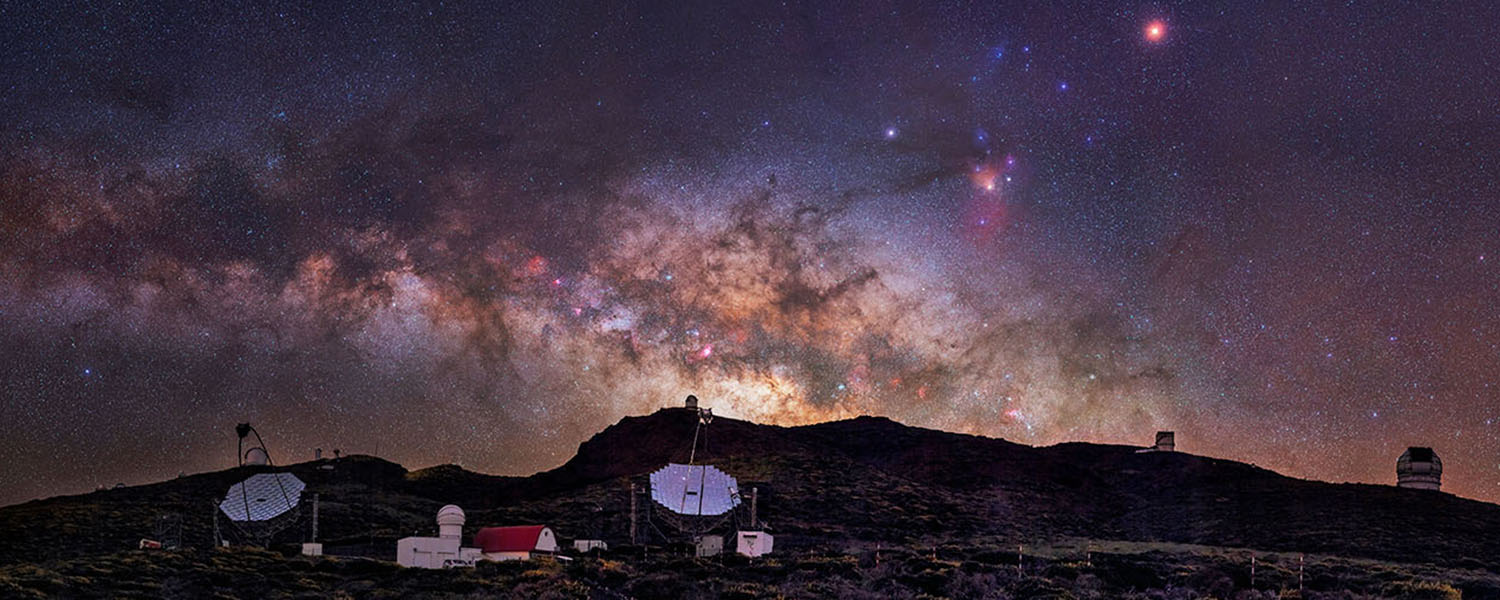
(753, 543)
(709, 545)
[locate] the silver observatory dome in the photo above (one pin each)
(1419, 468)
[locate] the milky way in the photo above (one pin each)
(480, 234)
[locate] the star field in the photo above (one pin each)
(481, 233)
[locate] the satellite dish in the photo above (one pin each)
(262, 497)
(694, 490)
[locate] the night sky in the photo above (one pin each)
(481, 233)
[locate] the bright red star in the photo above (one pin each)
(1156, 31)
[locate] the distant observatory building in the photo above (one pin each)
(1419, 468)
(257, 456)
(1166, 441)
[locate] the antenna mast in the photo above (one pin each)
(705, 416)
(754, 500)
(633, 539)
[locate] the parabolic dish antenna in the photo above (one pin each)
(262, 497)
(694, 490)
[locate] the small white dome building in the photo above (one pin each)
(1419, 468)
(445, 550)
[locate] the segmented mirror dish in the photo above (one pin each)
(262, 497)
(694, 490)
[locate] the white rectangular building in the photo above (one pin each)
(434, 553)
(753, 543)
(445, 550)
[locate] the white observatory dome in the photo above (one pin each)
(450, 520)
(257, 456)
(450, 515)
(1419, 468)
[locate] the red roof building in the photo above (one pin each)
(520, 542)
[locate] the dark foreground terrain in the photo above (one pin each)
(864, 508)
(954, 572)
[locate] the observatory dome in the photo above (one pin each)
(450, 521)
(1419, 468)
(257, 456)
(450, 515)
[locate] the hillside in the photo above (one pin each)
(831, 489)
